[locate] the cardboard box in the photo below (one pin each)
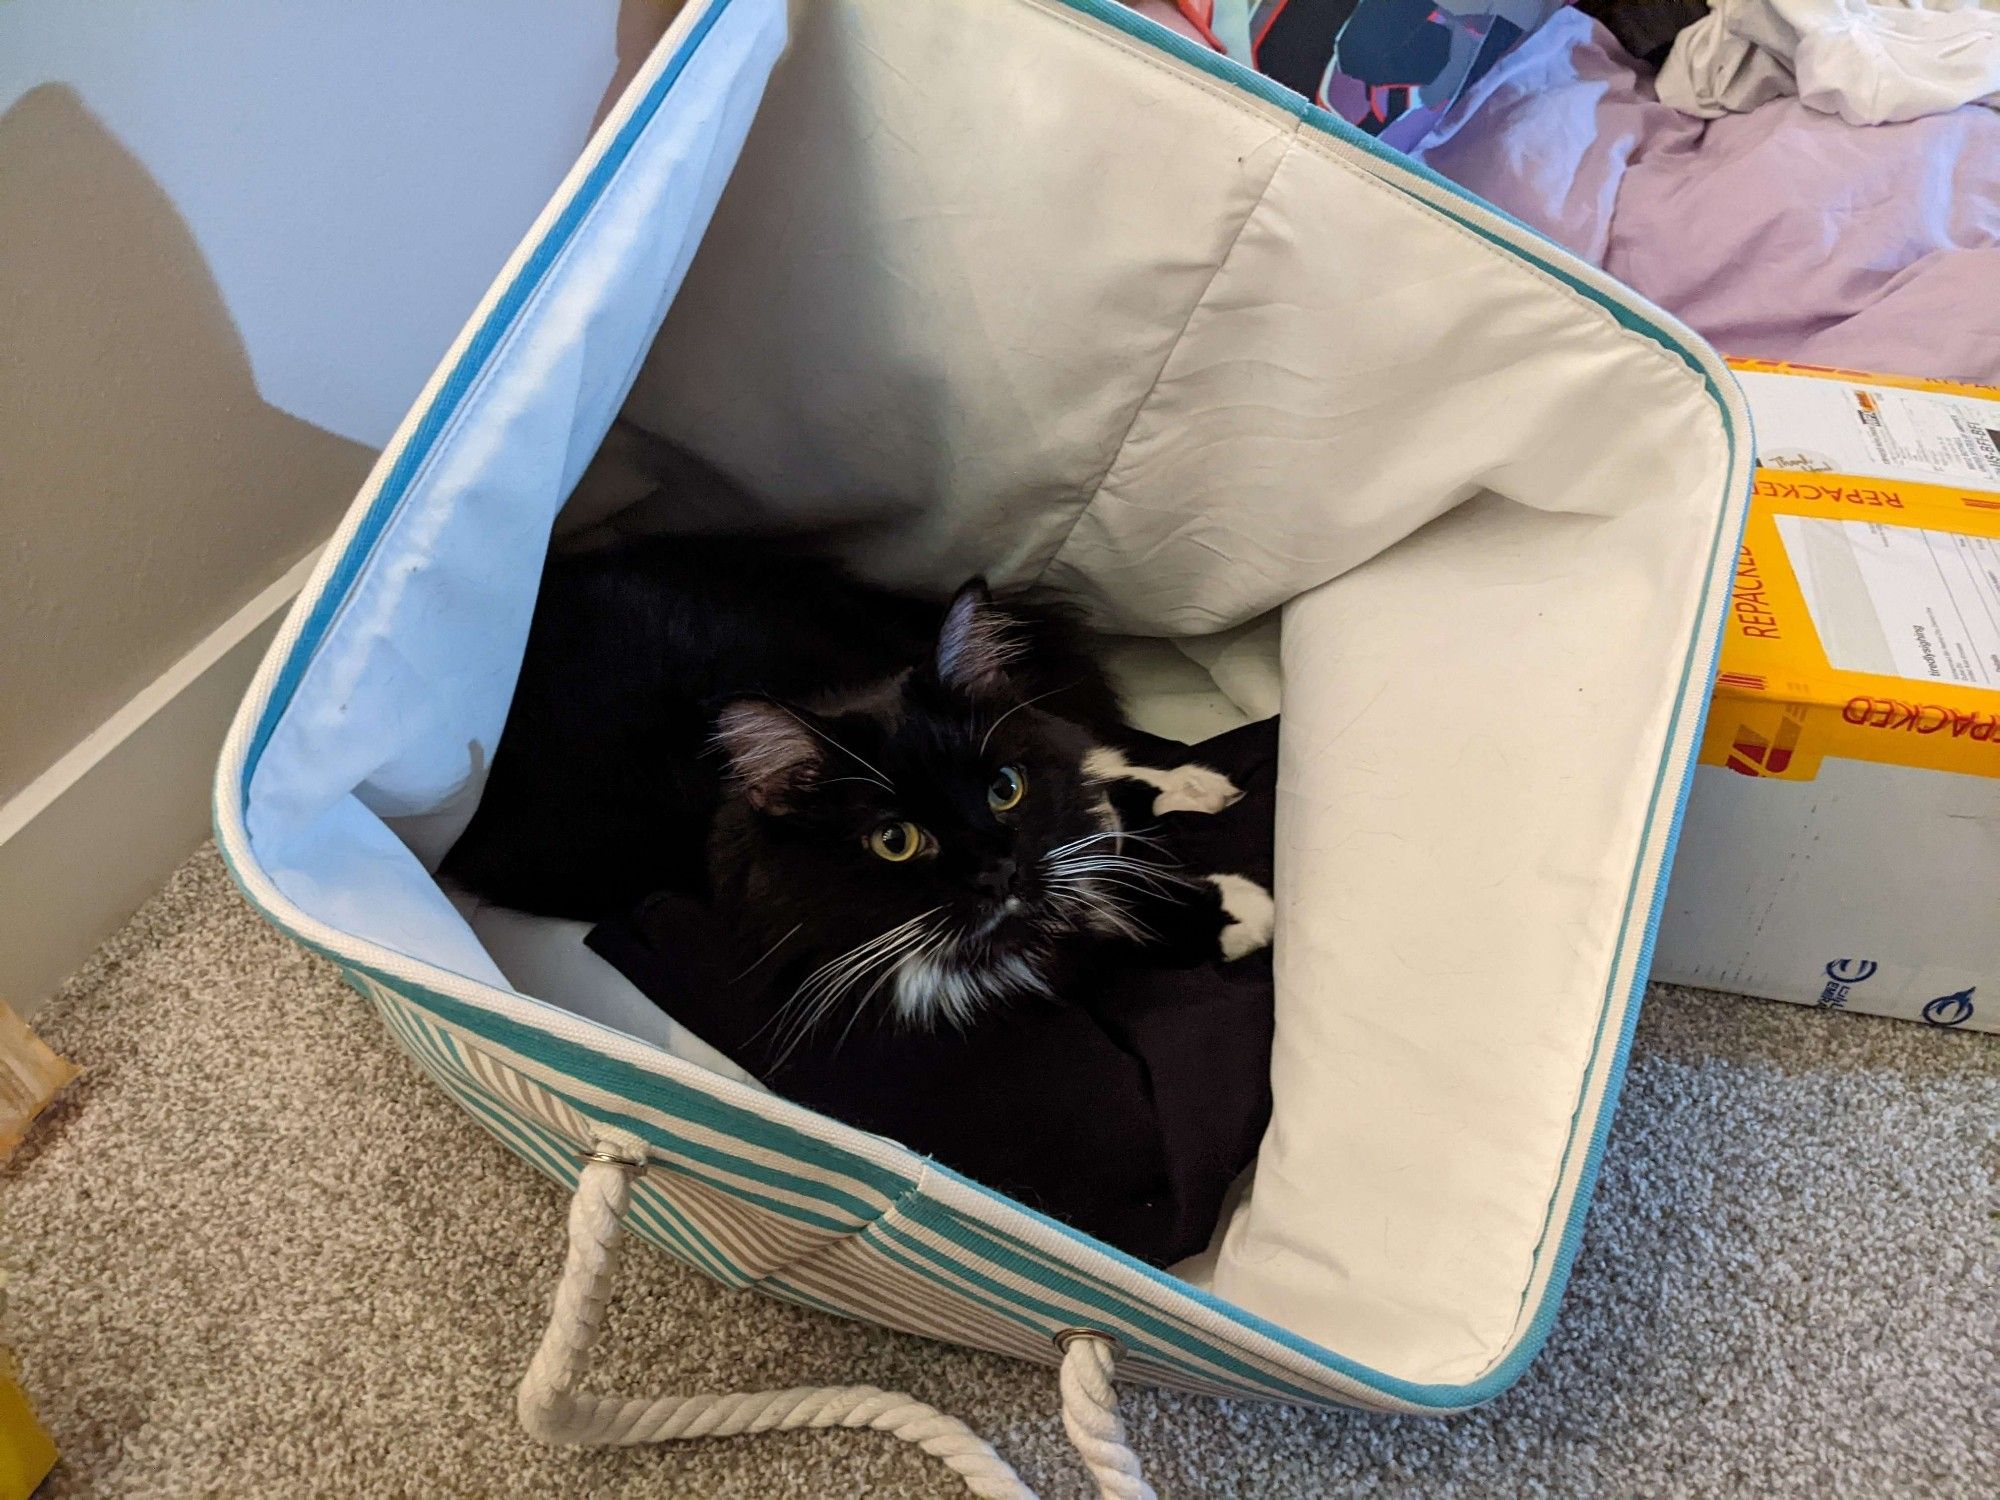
(1842, 845)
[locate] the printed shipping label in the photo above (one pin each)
(1834, 427)
(1900, 601)
(1840, 848)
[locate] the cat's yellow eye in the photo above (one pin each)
(896, 842)
(1007, 790)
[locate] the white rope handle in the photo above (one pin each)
(552, 1409)
(1090, 1416)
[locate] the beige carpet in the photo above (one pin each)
(257, 1255)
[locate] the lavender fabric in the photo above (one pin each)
(1778, 234)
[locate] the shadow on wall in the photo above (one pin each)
(147, 491)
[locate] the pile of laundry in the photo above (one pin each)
(1872, 62)
(1389, 67)
(1737, 187)
(1394, 68)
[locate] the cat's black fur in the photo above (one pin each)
(608, 774)
(725, 720)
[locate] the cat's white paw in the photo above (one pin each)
(1194, 789)
(1188, 788)
(1251, 914)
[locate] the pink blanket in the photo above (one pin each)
(1779, 234)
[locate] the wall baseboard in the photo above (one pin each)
(89, 840)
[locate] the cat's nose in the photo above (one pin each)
(997, 879)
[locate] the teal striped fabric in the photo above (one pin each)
(858, 1243)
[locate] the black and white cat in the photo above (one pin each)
(883, 800)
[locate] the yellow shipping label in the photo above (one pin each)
(1865, 622)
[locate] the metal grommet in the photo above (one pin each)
(1064, 1337)
(612, 1158)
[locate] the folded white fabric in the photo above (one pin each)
(1872, 62)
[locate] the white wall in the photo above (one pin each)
(235, 237)
(353, 171)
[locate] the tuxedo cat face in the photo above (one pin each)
(923, 845)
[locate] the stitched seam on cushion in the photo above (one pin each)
(1180, 337)
(1514, 260)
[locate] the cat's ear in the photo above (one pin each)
(977, 643)
(774, 756)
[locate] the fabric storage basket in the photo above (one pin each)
(1067, 299)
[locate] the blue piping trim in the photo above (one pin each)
(437, 417)
(417, 451)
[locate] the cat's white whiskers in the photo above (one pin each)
(1105, 908)
(1141, 872)
(825, 986)
(828, 973)
(1084, 877)
(882, 775)
(1116, 837)
(1103, 890)
(901, 953)
(1079, 856)
(1088, 839)
(807, 1022)
(936, 938)
(1110, 887)
(1024, 703)
(768, 952)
